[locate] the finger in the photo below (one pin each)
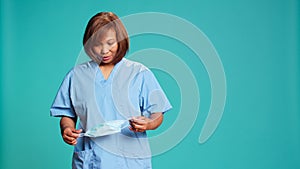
(139, 121)
(68, 132)
(76, 133)
(139, 127)
(71, 142)
(139, 130)
(139, 118)
(132, 123)
(68, 138)
(68, 135)
(73, 133)
(131, 128)
(134, 129)
(74, 142)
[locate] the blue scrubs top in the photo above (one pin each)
(142, 89)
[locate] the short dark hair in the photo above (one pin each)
(95, 28)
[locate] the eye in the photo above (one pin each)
(111, 42)
(97, 44)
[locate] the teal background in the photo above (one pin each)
(258, 43)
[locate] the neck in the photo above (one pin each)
(106, 65)
(106, 70)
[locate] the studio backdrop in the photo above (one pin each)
(231, 70)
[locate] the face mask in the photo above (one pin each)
(107, 128)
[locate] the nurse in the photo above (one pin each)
(109, 88)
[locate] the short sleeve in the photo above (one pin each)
(152, 97)
(62, 105)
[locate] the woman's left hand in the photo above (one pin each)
(142, 123)
(139, 124)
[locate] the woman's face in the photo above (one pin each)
(107, 47)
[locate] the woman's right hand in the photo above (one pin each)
(70, 135)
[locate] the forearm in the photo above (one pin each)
(66, 122)
(155, 121)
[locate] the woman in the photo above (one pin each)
(108, 88)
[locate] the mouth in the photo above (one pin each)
(105, 58)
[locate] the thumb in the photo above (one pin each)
(77, 131)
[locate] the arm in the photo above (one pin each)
(68, 131)
(141, 123)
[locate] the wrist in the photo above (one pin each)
(150, 124)
(155, 121)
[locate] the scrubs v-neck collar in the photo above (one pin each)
(111, 75)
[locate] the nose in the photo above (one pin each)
(105, 49)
